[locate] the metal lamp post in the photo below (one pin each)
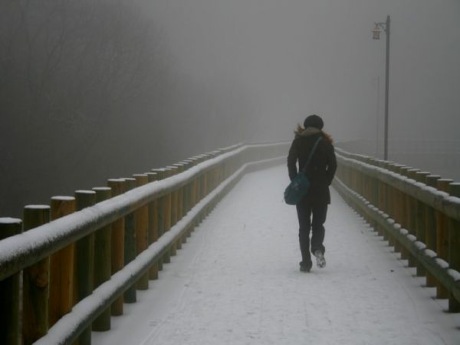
(376, 36)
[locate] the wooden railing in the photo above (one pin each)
(68, 266)
(418, 213)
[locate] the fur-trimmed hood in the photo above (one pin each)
(306, 132)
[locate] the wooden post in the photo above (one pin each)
(430, 226)
(153, 225)
(130, 243)
(442, 231)
(454, 245)
(188, 191)
(443, 184)
(390, 210)
(420, 230)
(194, 191)
(398, 214)
(118, 243)
(160, 219)
(141, 216)
(186, 164)
(421, 176)
(165, 216)
(430, 238)
(10, 301)
(84, 250)
(35, 282)
(432, 180)
(442, 243)
(204, 185)
(62, 266)
(381, 204)
(180, 194)
(161, 174)
(102, 259)
(421, 227)
(166, 210)
(174, 208)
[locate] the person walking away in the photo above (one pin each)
(312, 209)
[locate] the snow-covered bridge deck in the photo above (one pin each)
(236, 281)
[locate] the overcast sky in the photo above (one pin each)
(295, 57)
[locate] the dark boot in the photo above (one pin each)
(305, 266)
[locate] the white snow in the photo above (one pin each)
(37, 207)
(63, 198)
(10, 220)
(236, 281)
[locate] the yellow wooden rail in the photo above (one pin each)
(418, 213)
(83, 256)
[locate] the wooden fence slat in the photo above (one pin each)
(84, 249)
(454, 247)
(141, 217)
(62, 266)
(35, 282)
(10, 302)
(102, 259)
(130, 243)
(118, 187)
(153, 225)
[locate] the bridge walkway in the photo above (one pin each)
(236, 281)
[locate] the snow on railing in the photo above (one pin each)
(103, 244)
(418, 213)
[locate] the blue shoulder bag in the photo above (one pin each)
(300, 184)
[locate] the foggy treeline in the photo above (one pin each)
(99, 89)
(87, 93)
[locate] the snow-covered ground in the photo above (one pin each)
(236, 281)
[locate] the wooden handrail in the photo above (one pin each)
(164, 205)
(412, 211)
(418, 213)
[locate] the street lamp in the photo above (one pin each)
(376, 36)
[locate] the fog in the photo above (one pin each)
(91, 90)
(297, 57)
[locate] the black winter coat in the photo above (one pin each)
(322, 167)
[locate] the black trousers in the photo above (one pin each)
(311, 217)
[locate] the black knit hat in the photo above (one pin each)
(313, 121)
